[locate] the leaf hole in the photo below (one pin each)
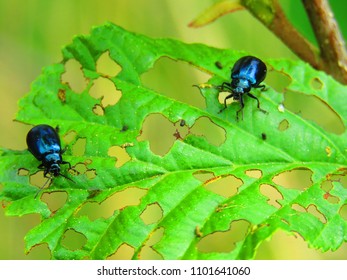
(73, 240)
(297, 207)
(79, 147)
(23, 172)
(343, 180)
(107, 66)
(82, 168)
(203, 176)
(170, 71)
(70, 136)
(124, 252)
(40, 252)
(98, 110)
(314, 109)
(54, 200)
(119, 153)
(158, 131)
(331, 199)
(221, 97)
(226, 186)
(254, 173)
(147, 252)
(38, 180)
(105, 90)
(224, 241)
(343, 212)
(152, 214)
(119, 200)
(213, 133)
(272, 194)
(74, 76)
(316, 83)
(278, 80)
(79, 168)
(91, 174)
(327, 186)
(283, 125)
(313, 210)
(298, 178)
(340, 178)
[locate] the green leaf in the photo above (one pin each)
(180, 183)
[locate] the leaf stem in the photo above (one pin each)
(332, 46)
(282, 27)
(331, 56)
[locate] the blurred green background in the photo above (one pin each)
(32, 34)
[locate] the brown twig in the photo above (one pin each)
(270, 13)
(289, 35)
(331, 44)
(331, 56)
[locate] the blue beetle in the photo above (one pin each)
(248, 72)
(44, 143)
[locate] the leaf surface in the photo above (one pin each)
(180, 183)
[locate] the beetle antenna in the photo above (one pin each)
(67, 178)
(40, 189)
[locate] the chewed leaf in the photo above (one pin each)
(278, 171)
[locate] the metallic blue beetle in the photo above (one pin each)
(248, 72)
(44, 143)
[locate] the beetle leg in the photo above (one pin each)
(258, 103)
(64, 150)
(66, 162)
(241, 109)
(45, 174)
(262, 87)
(225, 101)
(224, 86)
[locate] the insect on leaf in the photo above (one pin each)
(173, 203)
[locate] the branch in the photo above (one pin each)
(279, 24)
(283, 29)
(331, 56)
(332, 46)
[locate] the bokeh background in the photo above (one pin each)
(33, 32)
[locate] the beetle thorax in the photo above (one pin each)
(240, 86)
(52, 158)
